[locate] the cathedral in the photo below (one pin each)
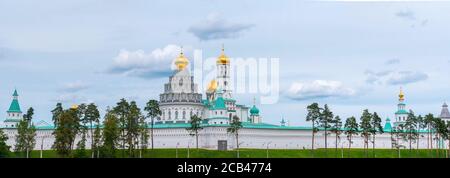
(181, 99)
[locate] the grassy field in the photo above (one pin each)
(262, 153)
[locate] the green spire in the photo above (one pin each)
(14, 107)
(15, 93)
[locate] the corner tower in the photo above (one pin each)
(14, 114)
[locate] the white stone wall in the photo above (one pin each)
(248, 138)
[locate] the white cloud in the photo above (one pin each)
(395, 77)
(156, 63)
(70, 98)
(405, 77)
(318, 89)
(75, 86)
(214, 27)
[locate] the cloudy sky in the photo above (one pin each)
(351, 55)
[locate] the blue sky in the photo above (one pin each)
(351, 55)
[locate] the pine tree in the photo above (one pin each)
(132, 126)
(97, 139)
(195, 127)
(234, 128)
(411, 128)
(325, 120)
(65, 132)
(366, 128)
(428, 122)
(111, 134)
(313, 117)
(376, 128)
(351, 127)
(121, 111)
(56, 112)
(92, 115)
(336, 129)
(153, 111)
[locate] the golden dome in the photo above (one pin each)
(212, 86)
(181, 62)
(74, 106)
(223, 59)
(401, 96)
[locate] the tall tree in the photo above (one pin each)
(325, 120)
(133, 128)
(111, 134)
(411, 128)
(153, 111)
(336, 129)
(4, 148)
(122, 110)
(195, 128)
(441, 132)
(80, 151)
(56, 112)
(366, 128)
(376, 128)
(26, 134)
(234, 128)
(65, 132)
(420, 126)
(429, 123)
(92, 115)
(143, 134)
(351, 127)
(97, 139)
(313, 117)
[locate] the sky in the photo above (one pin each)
(351, 55)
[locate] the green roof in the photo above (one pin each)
(219, 103)
(14, 107)
(254, 110)
(401, 111)
(387, 127)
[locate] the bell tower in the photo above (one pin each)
(223, 74)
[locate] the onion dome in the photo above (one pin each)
(223, 59)
(254, 110)
(401, 96)
(74, 106)
(212, 86)
(181, 62)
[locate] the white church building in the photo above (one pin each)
(181, 99)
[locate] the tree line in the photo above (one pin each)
(369, 125)
(124, 131)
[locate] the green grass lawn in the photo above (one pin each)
(262, 153)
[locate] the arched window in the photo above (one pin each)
(170, 115)
(184, 114)
(176, 114)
